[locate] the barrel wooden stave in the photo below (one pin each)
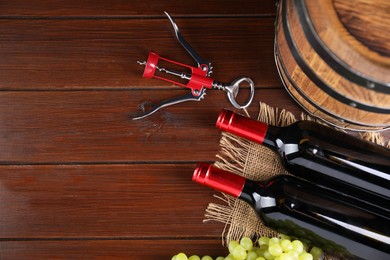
(318, 87)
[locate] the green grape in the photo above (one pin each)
(316, 252)
(297, 246)
(239, 252)
(273, 240)
(282, 236)
(263, 241)
(267, 255)
(286, 245)
(251, 255)
(264, 247)
(232, 245)
(293, 254)
(305, 246)
(275, 249)
(230, 257)
(287, 256)
(261, 250)
(247, 243)
(305, 256)
(181, 256)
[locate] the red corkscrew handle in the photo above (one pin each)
(197, 79)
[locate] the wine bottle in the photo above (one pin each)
(321, 154)
(303, 210)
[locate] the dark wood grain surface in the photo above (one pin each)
(78, 178)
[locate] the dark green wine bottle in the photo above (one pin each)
(321, 217)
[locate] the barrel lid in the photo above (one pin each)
(368, 22)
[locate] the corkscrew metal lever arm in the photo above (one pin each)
(197, 78)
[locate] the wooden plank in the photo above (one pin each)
(120, 8)
(96, 126)
(103, 53)
(103, 202)
(110, 249)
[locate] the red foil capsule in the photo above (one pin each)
(239, 125)
(226, 182)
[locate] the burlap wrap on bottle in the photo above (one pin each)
(255, 162)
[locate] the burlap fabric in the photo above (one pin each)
(255, 162)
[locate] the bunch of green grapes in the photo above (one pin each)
(275, 248)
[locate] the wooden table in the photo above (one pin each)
(78, 177)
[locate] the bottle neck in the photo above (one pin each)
(232, 184)
(247, 128)
(223, 181)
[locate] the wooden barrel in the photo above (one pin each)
(333, 57)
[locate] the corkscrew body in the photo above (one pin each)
(197, 79)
